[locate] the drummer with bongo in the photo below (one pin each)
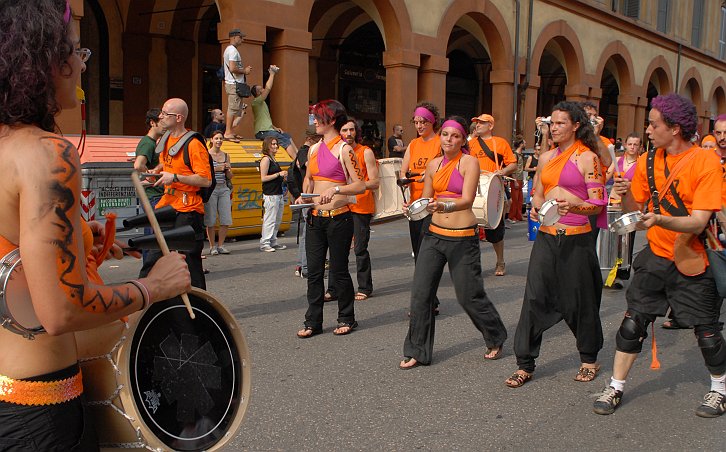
(450, 236)
(563, 278)
(41, 391)
(495, 156)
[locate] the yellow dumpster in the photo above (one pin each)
(247, 193)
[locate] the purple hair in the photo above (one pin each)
(676, 109)
(721, 117)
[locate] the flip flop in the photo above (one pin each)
(329, 297)
(233, 139)
(406, 360)
(360, 296)
(496, 356)
(351, 326)
(672, 324)
(587, 374)
(305, 331)
(499, 269)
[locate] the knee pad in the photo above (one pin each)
(630, 335)
(712, 348)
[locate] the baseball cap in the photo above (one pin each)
(484, 118)
(236, 32)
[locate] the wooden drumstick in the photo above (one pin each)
(157, 229)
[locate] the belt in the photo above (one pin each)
(572, 230)
(181, 194)
(330, 213)
(468, 232)
(23, 392)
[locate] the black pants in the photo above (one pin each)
(416, 231)
(193, 254)
(563, 283)
(334, 234)
(361, 235)
(464, 259)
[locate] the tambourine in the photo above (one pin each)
(626, 223)
(549, 213)
(417, 209)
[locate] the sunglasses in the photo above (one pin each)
(84, 54)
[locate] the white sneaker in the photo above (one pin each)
(222, 250)
(213, 252)
(267, 249)
(280, 247)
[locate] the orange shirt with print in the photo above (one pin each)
(698, 184)
(723, 185)
(365, 202)
(174, 193)
(497, 145)
(420, 153)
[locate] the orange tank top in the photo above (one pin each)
(420, 153)
(365, 202)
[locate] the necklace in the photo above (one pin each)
(630, 162)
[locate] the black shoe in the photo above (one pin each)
(608, 401)
(714, 405)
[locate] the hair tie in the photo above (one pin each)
(67, 13)
(424, 113)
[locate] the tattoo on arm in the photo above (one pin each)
(61, 204)
(354, 162)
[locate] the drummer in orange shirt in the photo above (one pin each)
(495, 156)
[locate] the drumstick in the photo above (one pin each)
(157, 229)
(403, 190)
(309, 195)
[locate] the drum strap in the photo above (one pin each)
(491, 154)
(657, 198)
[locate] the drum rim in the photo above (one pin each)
(546, 207)
(8, 264)
(417, 215)
(129, 403)
(489, 177)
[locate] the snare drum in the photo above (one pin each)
(165, 381)
(417, 209)
(488, 204)
(626, 223)
(16, 307)
(549, 213)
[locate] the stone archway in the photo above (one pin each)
(618, 101)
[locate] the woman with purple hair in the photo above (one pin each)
(451, 237)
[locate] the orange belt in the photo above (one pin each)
(468, 232)
(22, 392)
(330, 213)
(571, 230)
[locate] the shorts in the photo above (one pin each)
(219, 202)
(495, 235)
(234, 101)
(657, 284)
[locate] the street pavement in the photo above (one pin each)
(347, 393)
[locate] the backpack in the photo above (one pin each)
(220, 73)
(183, 144)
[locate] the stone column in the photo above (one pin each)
(529, 112)
(401, 89)
(290, 50)
(581, 92)
(502, 92)
(626, 115)
(640, 118)
(432, 80)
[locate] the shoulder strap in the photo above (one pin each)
(161, 144)
(489, 152)
(183, 144)
(657, 196)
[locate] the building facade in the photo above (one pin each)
(512, 58)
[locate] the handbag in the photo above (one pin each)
(228, 180)
(242, 89)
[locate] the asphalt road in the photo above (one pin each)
(336, 393)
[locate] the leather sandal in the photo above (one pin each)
(351, 326)
(518, 379)
(586, 374)
(308, 332)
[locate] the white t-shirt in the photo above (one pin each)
(231, 54)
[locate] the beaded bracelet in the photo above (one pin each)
(144, 293)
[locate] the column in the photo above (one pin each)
(640, 116)
(136, 50)
(502, 92)
(289, 100)
(401, 89)
(432, 80)
(626, 115)
(529, 112)
(581, 93)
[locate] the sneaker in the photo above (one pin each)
(279, 247)
(267, 249)
(714, 405)
(213, 252)
(608, 401)
(222, 250)
(298, 271)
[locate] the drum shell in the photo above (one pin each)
(388, 196)
(488, 206)
(100, 379)
(419, 210)
(611, 246)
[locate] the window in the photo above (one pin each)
(664, 15)
(722, 36)
(629, 8)
(697, 23)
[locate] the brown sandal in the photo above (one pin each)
(499, 269)
(518, 379)
(586, 374)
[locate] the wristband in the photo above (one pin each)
(176, 178)
(449, 206)
(337, 189)
(146, 298)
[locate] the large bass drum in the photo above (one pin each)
(167, 382)
(488, 204)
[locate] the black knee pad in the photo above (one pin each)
(712, 348)
(632, 332)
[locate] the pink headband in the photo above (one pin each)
(67, 13)
(454, 124)
(424, 113)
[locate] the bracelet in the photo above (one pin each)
(146, 297)
(449, 206)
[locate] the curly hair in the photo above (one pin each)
(433, 109)
(330, 111)
(676, 109)
(34, 45)
(585, 132)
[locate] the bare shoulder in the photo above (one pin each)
(470, 163)
(546, 156)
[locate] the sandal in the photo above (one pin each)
(308, 332)
(499, 269)
(672, 324)
(518, 379)
(408, 359)
(329, 297)
(351, 326)
(495, 356)
(586, 374)
(360, 296)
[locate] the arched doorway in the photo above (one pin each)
(468, 90)
(209, 62)
(95, 81)
(609, 101)
(553, 79)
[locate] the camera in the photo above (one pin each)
(593, 122)
(546, 120)
(274, 68)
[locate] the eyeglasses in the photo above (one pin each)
(84, 54)
(164, 113)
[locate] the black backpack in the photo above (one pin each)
(183, 144)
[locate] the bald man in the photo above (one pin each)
(181, 183)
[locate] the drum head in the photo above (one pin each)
(495, 202)
(188, 379)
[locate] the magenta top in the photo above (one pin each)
(631, 171)
(456, 181)
(326, 166)
(572, 180)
